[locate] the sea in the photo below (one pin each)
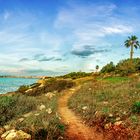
(12, 84)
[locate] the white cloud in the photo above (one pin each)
(117, 29)
(23, 34)
(90, 24)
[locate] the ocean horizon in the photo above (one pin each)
(12, 84)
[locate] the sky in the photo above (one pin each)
(54, 37)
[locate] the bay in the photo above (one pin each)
(12, 84)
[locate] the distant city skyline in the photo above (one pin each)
(53, 37)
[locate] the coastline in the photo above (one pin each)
(14, 91)
(26, 77)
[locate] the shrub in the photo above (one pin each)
(108, 68)
(34, 85)
(136, 107)
(57, 85)
(6, 104)
(23, 88)
(13, 106)
(51, 85)
(76, 75)
(126, 67)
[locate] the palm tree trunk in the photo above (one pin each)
(131, 53)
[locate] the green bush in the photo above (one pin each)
(6, 104)
(13, 106)
(23, 88)
(123, 68)
(126, 67)
(136, 107)
(76, 75)
(108, 68)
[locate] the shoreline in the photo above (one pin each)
(26, 77)
(9, 93)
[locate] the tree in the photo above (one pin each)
(133, 43)
(97, 68)
(108, 68)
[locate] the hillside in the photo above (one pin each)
(89, 107)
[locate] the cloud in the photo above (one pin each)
(39, 72)
(46, 59)
(87, 30)
(41, 58)
(74, 14)
(24, 59)
(117, 29)
(87, 50)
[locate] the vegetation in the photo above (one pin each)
(13, 106)
(133, 43)
(49, 85)
(97, 68)
(108, 68)
(23, 88)
(136, 107)
(103, 103)
(123, 68)
(54, 84)
(76, 75)
(116, 79)
(39, 123)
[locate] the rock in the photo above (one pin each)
(90, 89)
(49, 95)
(27, 114)
(15, 135)
(41, 81)
(7, 127)
(72, 89)
(2, 130)
(60, 138)
(58, 116)
(124, 112)
(20, 120)
(41, 86)
(3, 136)
(118, 123)
(84, 108)
(29, 90)
(97, 114)
(110, 115)
(42, 107)
(49, 110)
(108, 125)
(118, 119)
(105, 103)
(37, 114)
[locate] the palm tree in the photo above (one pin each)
(133, 43)
(97, 67)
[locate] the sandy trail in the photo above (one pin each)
(76, 129)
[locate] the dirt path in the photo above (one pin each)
(76, 129)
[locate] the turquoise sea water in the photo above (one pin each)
(12, 84)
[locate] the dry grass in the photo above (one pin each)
(106, 101)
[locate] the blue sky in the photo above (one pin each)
(52, 37)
